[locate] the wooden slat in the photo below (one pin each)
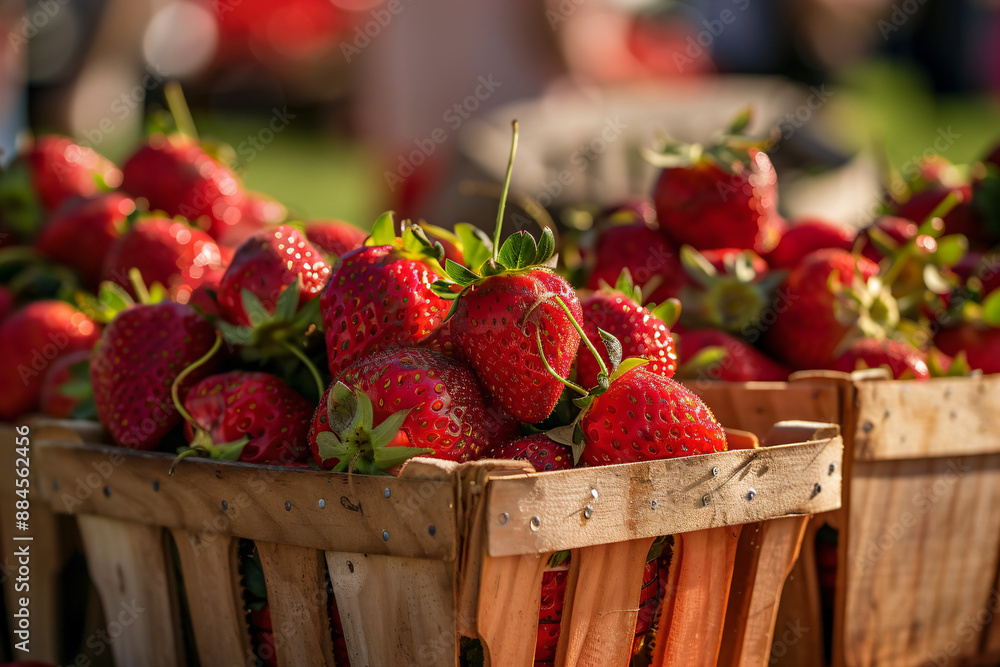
(356, 510)
(297, 599)
(691, 627)
(915, 419)
(798, 630)
(921, 561)
(509, 600)
(210, 567)
(128, 565)
(765, 557)
(601, 607)
(784, 481)
(757, 406)
(396, 611)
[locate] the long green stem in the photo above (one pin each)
(179, 109)
(583, 336)
(942, 209)
(308, 364)
(503, 195)
(545, 362)
(175, 388)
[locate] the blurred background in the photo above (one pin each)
(345, 108)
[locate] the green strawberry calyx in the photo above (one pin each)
(411, 242)
(731, 300)
(729, 151)
(667, 312)
(111, 298)
(518, 254)
(202, 444)
(356, 443)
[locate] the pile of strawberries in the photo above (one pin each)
(188, 315)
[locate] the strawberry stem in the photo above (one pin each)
(175, 388)
(320, 387)
(545, 362)
(141, 292)
(583, 336)
(503, 195)
(179, 109)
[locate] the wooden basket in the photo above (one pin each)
(447, 550)
(919, 531)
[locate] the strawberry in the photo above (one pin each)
(266, 265)
(815, 316)
(734, 299)
(708, 354)
(652, 262)
(984, 268)
(335, 238)
(81, 234)
(962, 219)
(717, 196)
(434, 403)
(516, 322)
(167, 252)
(903, 361)
(260, 211)
(31, 340)
(980, 342)
(66, 387)
(806, 235)
(644, 416)
(49, 173)
(539, 450)
(884, 234)
(551, 608)
(140, 354)
(380, 295)
(175, 175)
(642, 333)
(249, 417)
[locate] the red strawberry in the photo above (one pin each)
(806, 235)
(31, 340)
(176, 176)
(334, 237)
(902, 360)
(979, 341)
(260, 211)
(168, 252)
(730, 360)
(54, 401)
(718, 196)
(652, 262)
(83, 231)
(640, 332)
(496, 325)
(810, 324)
(551, 608)
(381, 296)
(539, 450)
(52, 171)
(135, 363)
(267, 264)
(261, 418)
(644, 416)
(441, 402)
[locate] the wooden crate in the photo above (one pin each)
(447, 550)
(919, 531)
